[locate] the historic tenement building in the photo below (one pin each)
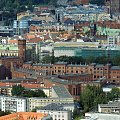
(67, 71)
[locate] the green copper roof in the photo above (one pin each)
(8, 47)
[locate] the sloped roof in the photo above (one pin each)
(62, 92)
(24, 116)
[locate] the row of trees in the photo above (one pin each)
(18, 90)
(78, 60)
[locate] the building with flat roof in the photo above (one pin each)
(111, 107)
(56, 111)
(41, 102)
(86, 51)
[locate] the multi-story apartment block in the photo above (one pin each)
(12, 104)
(41, 102)
(59, 95)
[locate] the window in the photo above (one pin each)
(59, 70)
(76, 71)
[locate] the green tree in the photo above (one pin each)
(47, 59)
(114, 94)
(98, 2)
(90, 59)
(91, 97)
(116, 60)
(17, 90)
(37, 93)
(2, 113)
(76, 113)
(101, 59)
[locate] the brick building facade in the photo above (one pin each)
(90, 72)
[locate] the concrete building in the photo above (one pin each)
(6, 31)
(41, 102)
(111, 107)
(12, 104)
(59, 95)
(56, 111)
(87, 51)
(113, 40)
(115, 6)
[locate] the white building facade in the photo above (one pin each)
(58, 115)
(12, 104)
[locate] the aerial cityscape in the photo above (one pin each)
(60, 60)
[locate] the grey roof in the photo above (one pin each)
(76, 65)
(111, 105)
(61, 81)
(59, 63)
(99, 65)
(18, 80)
(66, 82)
(83, 74)
(62, 92)
(115, 68)
(53, 107)
(40, 64)
(11, 97)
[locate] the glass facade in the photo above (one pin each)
(20, 27)
(86, 52)
(96, 52)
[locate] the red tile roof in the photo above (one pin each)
(24, 116)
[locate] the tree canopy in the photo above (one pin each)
(91, 97)
(31, 93)
(18, 4)
(114, 94)
(79, 59)
(94, 95)
(18, 90)
(98, 2)
(2, 113)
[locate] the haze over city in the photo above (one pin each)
(59, 59)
